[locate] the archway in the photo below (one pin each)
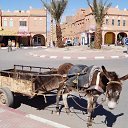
(120, 38)
(121, 35)
(109, 38)
(38, 40)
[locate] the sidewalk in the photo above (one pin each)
(11, 118)
(82, 52)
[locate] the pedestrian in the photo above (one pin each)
(9, 45)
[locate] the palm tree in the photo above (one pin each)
(99, 9)
(56, 9)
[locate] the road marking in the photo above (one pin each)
(42, 56)
(43, 47)
(114, 57)
(82, 58)
(4, 47)
(53, 57)
(66, 57)
(99, 57)
(25, 47)
(48, 122)
(34, 47)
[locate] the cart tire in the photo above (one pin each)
(6, 97)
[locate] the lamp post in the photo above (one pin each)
(51, 30)
(46, 43)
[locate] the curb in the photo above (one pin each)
(34, 47)
(9, 115)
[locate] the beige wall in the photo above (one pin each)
(35, 18)
(83, 22)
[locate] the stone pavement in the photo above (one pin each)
(81, 52)
(11, 118)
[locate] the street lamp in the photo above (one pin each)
(51, 28)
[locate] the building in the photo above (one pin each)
(27, 28)
(80, 28)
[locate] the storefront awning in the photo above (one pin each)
(8, 33)
(23, 34)
(13, 33)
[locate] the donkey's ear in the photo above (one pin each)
(123, 78)
(103, 68)
(105, 71)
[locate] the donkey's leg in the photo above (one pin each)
(90, 105)
(65, 96)
(94, 102)
(58, 96)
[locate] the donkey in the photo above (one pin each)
(92, 81)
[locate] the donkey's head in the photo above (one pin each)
(113, 88)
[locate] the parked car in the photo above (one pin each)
(68, 43)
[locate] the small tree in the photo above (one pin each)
(99, 10)
(56, 9)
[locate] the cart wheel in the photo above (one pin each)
(6, 97)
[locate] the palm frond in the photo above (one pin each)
(89, 4)
(99, 9)
(56, 8)
(46, 5)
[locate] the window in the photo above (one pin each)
(107, 22)
(11, 23)
(113, 22)
(23, 23)
(5, 23)
(124, 23)
(118, 22)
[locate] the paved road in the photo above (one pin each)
(82, 53)
(104, 117)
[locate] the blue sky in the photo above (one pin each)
(25, 4)
(72, 7)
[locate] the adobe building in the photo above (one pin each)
(27, 28)
(80, 28)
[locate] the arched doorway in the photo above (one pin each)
(120, 37)
(109, 38)
(38, 40)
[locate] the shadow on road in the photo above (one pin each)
(110, 118)
(36, 102)
(74, 102)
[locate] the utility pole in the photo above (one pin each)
(51, 27)
(46, 43)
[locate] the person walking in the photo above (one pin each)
(9, 45)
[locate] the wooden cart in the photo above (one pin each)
(28, 81)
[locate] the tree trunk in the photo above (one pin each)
(59, 42)
(98, 37)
